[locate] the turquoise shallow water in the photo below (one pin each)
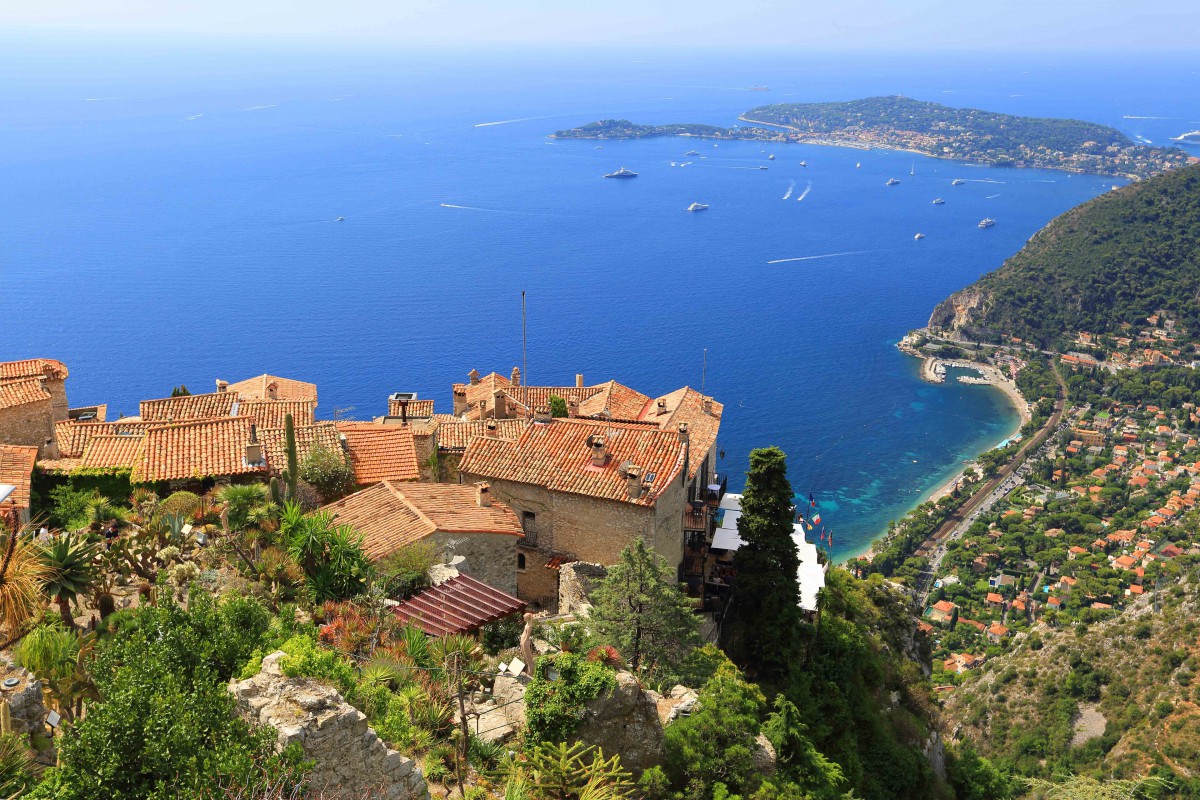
(172, 220)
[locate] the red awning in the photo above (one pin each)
(459, 605)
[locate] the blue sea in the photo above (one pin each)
(170, 217)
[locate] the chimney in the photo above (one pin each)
(222, 385)
(515, 376)
(403, 411)
(483, 495)
(684, 436)
(272, 391)
(706, 404)
(344, 444)
(500, 405)
(254, 453)
(685, 439)
(542, 414)
(599, 448)
(572, 407)
(473, 377)
(662, 406)
(633, 481)
(491, 429)
(578, 380)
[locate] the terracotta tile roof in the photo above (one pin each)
(112, 452)
(686, 405)
(271, 413)
(391, 515)
(189, 407)
(196, 449)
(260, 388)
(73, 436)
(416, 408)
(557, 456)
(308, 439)
(481, 395)
(32, 368)
(454, 433)
(945, 606)
(380, 452)
(459, 605)
(101, 412)
(620, 401)
(21, 392)
(16, 469)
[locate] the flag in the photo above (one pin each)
(811, 501)
(816, 519)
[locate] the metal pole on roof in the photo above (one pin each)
(524, 358)
(704, 370)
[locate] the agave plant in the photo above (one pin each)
(100, 510)
(72, 570)
(23, 573)
(16, 765)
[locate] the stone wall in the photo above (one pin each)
(30, 424)
(58, 394)
(575, 582)
(536, 583)
(25, 702)
(349, 759)
(490, 557)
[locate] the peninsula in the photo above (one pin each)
(902, 123)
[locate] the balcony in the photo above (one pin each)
(719, 484)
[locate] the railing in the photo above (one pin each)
(715, 491)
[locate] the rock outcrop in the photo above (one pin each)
(349, 759)
(25, 703)
(957, 311)
(625, 722)
(575, 582)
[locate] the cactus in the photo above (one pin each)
(106, 604)
(291, 475)
(276, 497)
(6, 726)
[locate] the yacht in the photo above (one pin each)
(937, 201)
(762, 167)
(691, 153)
(957, 182)
(804, 163)
(891, 182)
(341, 219)
(919, 236)
(987, 222)
(698, 207)
(858, 165)
(771, 157)
(913, 171)
(622, 173)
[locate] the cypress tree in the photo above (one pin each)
(765, 610)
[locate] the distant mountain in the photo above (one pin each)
(1117, 258)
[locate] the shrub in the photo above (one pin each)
(560, 688)
(328, 472)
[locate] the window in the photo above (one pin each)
(529, 527)
(520, 562)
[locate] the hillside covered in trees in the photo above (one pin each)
(1115, 259)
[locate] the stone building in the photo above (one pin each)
(270, 387)
(458, 520)
(584, 490)
(33, 396)
(16, 470)
(380, 452)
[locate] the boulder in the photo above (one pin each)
(25, 702)
(625, 722)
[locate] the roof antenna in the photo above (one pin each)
(704, 370)
(524, 358)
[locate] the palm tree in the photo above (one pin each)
(331, 555)
(22, 575)
(247, 511)
(72, 563)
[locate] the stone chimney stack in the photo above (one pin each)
(684, 436)
(599, 447)
(578, 380)
(662, 406)
(483, 495)
(254, 452)
(500, 405)
(222, 385)
(473, 377)
(706, 404)
(572, 407)
(542, 414)
(633, 481)
(491, 429)
(515, 377)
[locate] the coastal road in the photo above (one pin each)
(1007, 478)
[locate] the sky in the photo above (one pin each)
(1112, 27)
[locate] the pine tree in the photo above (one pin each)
(765, 609)
(638, 609)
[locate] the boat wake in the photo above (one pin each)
(791, 187)
(992, 196)
(194, 116)
(260, 108)
(823, 255)
(985, 180)
(1131, 116)
(486, 210)
(804, 194)
(511, 121)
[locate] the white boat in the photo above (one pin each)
(341, 219)
(987, 222)
(937, 201)
(919, 236)
(762, 167)
(804, 163)
(891, 182)
(913, 171)
(691, 153)
(771, 157)
(957, 182)
(858, 165)
(698, 207)
(622, 173)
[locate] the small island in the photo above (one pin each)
(901, 123)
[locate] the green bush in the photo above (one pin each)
(328, 472)
(180, 504)
(560, 688)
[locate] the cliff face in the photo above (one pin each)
(957, 310)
